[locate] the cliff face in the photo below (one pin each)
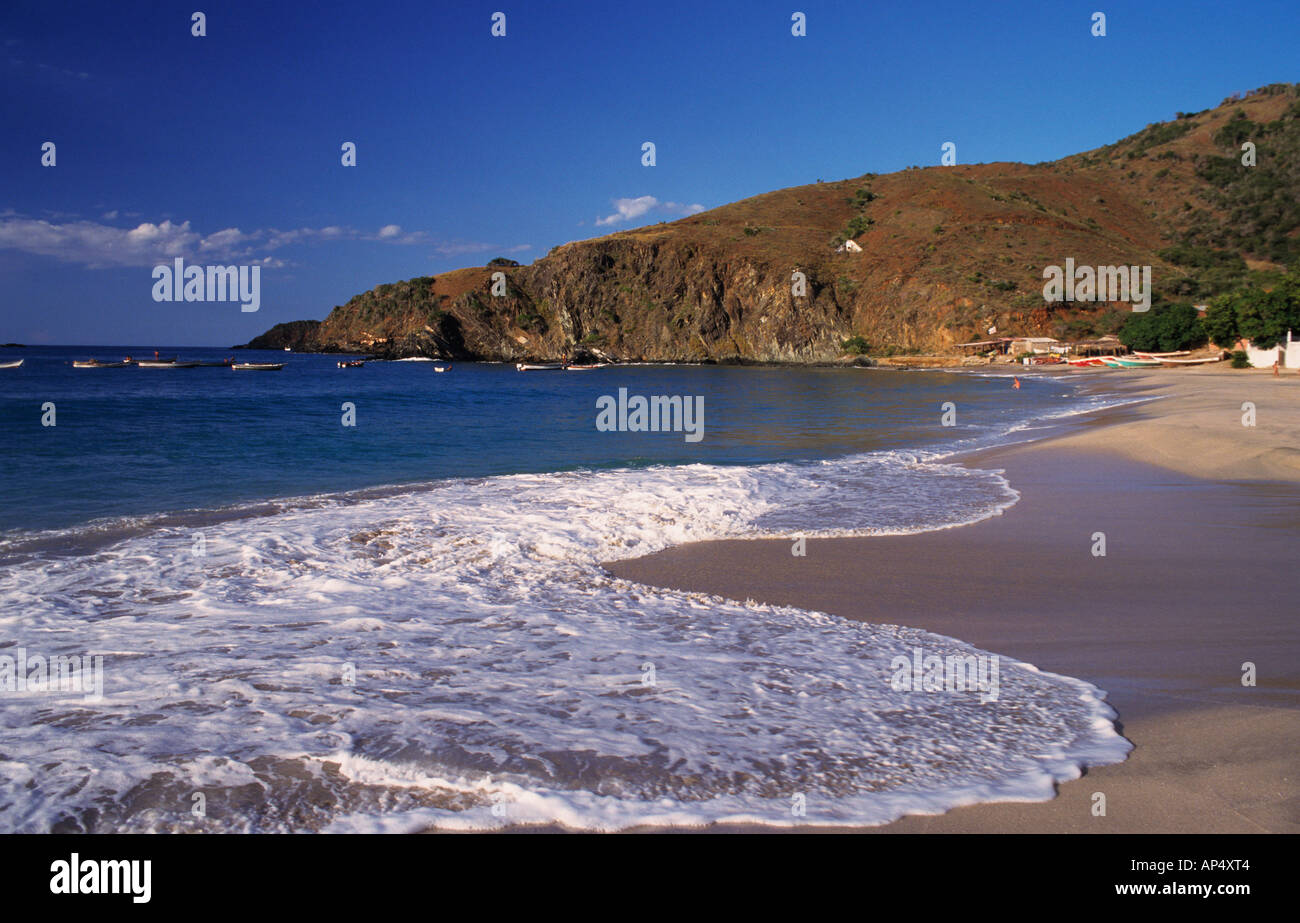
(297, 334)
(946, 252)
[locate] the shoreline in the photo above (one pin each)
(1201, 516)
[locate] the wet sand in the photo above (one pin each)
(1201, 519)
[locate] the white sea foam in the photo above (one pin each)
(500, 672)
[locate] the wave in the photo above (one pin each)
(455, 656)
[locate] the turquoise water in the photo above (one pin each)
(132, 442)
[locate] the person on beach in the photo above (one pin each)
(1016, 384)
(1275, 374)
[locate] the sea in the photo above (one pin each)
(372, 599)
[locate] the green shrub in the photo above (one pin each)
(857, 225)
(856, 346)
(1235, 131)
(530, 320)
(1239, 359)
(1164, 328)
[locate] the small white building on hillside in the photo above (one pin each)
(1286, 354)
(849, 246)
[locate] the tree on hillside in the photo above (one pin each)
(1220, 320)
(1165, 328)
(1265, 317)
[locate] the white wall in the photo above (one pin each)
(1264, 358)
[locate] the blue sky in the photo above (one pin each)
(226, 148)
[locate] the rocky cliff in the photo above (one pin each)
(946, 253)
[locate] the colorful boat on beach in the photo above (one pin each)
(1130, 362)
(1086, 362)
(1202, 361)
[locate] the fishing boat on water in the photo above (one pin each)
(164, 364)
(352, 363)
(257, 366)
(11, 365)
(442, 368)
(99, 364)
(584, 368)
(539, 366)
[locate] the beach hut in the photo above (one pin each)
(1033, 344)
(1108, 345)
(979, 347)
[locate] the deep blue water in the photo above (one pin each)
(134, 441)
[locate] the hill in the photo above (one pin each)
(946, 253)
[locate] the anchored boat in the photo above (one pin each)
(539, 366)
(258, 366)
(98, 364)
(11, 365)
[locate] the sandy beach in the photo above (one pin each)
(1201, 516)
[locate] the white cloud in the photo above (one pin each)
(97, 245)
(678, 209)
(631, 209)
(627, 209)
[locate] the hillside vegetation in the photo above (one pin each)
(947, 252)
